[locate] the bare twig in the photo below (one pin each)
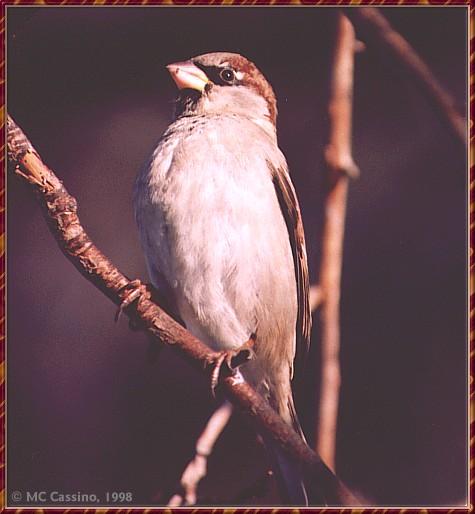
(372, 25)
(60, 210)
(315, 297)
(340, 167)
(195, 471)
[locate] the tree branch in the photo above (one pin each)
(372, 25)
(340, 167)
(315, 296)
(60, 210)
(196, 469)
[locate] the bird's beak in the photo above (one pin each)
(188, 76)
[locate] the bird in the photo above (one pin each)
(222, 233)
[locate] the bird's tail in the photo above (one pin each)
(288, 472)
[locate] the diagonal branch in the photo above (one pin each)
(374, 26)
(60, 211)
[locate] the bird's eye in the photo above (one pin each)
(227, 75)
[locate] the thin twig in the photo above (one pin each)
(372, 25)
(60, 210)
(315, 295)
(195, 470)
(340, 168)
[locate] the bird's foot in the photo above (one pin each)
(134, 290)
(232, 359)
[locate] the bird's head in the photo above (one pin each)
(223, 82)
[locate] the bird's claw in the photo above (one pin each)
(134, 290)
(218, 363)
(232, 359)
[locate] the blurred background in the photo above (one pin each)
(88, 409)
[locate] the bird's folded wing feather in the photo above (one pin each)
(290, 209)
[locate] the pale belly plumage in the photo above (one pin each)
(211, 227)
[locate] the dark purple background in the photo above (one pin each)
(86, 410)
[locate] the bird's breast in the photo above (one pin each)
(228, 255)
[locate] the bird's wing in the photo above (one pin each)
(291, 211)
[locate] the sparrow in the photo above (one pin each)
(221, 229)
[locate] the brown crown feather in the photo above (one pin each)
(253, 78)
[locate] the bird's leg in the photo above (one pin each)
(133, 291)
(233, 359)
(196, 468)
